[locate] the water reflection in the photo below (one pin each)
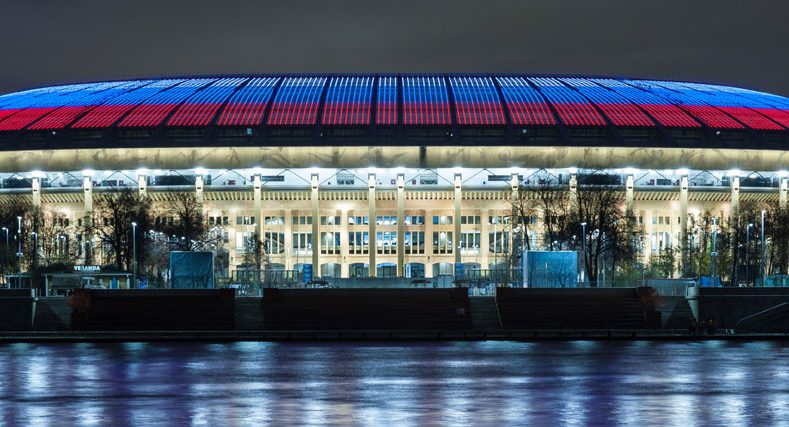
(572, 383)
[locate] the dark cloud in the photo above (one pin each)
(735, 42)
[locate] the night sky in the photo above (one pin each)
(744, 43)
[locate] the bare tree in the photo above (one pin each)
(610, 233)
(112, 225)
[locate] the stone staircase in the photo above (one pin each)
(485, 313)
(52, 314)
(675, 312)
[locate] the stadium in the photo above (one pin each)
(396, 175)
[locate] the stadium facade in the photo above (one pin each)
(405, 175)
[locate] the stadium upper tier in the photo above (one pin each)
(481, 108)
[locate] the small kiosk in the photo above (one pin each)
(85, 276)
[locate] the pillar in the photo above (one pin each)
(629, 193)
(344, 243)
(734, 214)
(573, 188)
(484, 243)
(142, 183)
(290, 256)
(371, 224)
(456, 220)
(257, 196)
(36, 192)
(87, 189)
(783, 189)
(683, 221)
(400, 225)
(199, 191)
(316, 222)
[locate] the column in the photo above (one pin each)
(290, 256)
(429, 228)
(257, 197)
(456, 220)
(484, 243)
(735, 196)
(734, 213)
(371, 223)
(87, 189)
(783, 189)
(344, 243)
(142, 182)
(683, 221)
(198, 191)
(316, 222)
(36, 191)
(400, 225)
(573, 186)
(629, 193)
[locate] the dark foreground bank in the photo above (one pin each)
(396, 314)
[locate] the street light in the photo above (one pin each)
(35, 249)
(19, 240)
(762, 266)
(583, 250)
(747, 251)
(134, 254)
(714, 267)
(6, 246)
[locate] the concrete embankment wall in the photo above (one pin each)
(728, 305)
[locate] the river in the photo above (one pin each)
(442, 383)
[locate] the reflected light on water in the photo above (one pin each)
(465, 383)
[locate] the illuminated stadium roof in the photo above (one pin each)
(392, 109)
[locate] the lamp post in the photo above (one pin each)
(19, 241)
(583, 251)
(747, 251)
(763, 248)
(134, 254)
(7, 263)
(35, 249)
(714, 266)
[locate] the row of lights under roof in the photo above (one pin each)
(571, 170)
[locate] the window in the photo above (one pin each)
(442, 219)
(414, 220)
(499, 242)
(302, 220)
(273, 243)
(330, 243)
(274, 220)
(386, 242)
(302, 242)
(330, 220)
(414, 242)
(357, 220)
(245, 220)
(442, 242)
(358, 242)
(498, 219)
(386, 220)
(470, 241)
(345, 178)
(469, 219)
